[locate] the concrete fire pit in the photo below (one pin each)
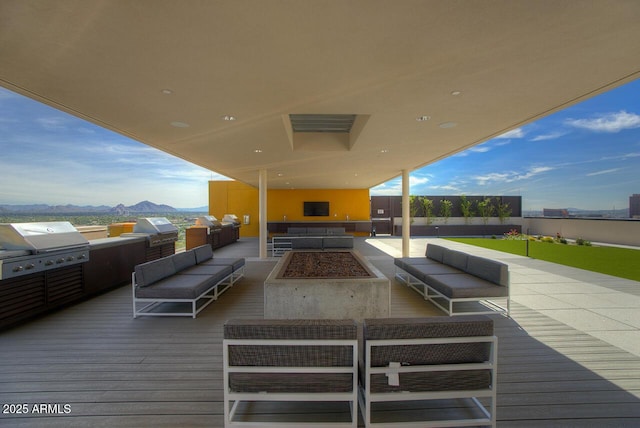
(326, 284)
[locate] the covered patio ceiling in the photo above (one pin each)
(421, 79)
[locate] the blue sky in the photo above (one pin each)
(587, 156)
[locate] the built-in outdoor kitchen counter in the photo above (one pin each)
(55, 266)
(209, 230)
(356, 227)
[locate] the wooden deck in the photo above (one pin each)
(113, 370)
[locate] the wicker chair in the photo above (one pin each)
(291, 361)
(452, 360)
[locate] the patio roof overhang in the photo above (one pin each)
(170, 74)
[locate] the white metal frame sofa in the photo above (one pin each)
(452, 279)
(280, 244)
(449, 359)
(194, 277)
(295, 361)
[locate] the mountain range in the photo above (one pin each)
(120, 209)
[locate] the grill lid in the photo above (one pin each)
(154, 225)
(207, 220)
(40, 237)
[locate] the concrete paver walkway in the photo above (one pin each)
(603, 306)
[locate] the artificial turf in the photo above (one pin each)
(620, 262)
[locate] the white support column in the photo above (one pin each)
(406, 215)
(262, 213)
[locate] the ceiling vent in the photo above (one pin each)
(339, 123)
(324, 132)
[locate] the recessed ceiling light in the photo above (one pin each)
(384, 151)
(455, 93)
(180, 124)
(167, 91)
(280, 174)
(257, 151)
(446, 125)
(423, 118)
(228, 118)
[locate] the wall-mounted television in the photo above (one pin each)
(316, 209)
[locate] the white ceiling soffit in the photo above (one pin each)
(172, 74)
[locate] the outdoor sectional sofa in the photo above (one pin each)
(457, 282)
(399, 361)
(162, 287)
(312, 238)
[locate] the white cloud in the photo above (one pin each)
(606, 171)
(549, 136)
(414, 181)
(609, 122)
(511, 176)
(447, 187)
(52, 123)
(514, 133)
(481, 148)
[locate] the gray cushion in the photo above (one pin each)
(404, 262)
(316, 231)
(178, 287)
(465, 285)
(151, 272)
(306, 243)
(217, 273)
(435, 252)
(290, 356)
(335, 230)
(203, 253)
(490, 270)
(235, 264)
(337, 242)
(183, 260)
(297, 230)
(457, 259)
(431, 327)
(423, 272)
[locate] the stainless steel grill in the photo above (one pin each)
(231, 219)
(209, 221)
(27, 248)
(158, 230)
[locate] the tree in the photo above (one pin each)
(413, 206)
(446, 206)
(466, 209)
(427, 206)
(485, 209)
(504, 211)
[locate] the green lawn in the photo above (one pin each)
(621, 262)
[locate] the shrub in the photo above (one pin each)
(513, 235)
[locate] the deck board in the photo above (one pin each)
(114, 370)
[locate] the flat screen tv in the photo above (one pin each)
(315, 209)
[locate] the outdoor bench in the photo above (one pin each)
(451, 360)
(295, 361)
(195, 278)
(457, 282)
(280, 244)
(392, 362)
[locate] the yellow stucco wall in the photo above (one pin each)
(342, 202)
(233, 197)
